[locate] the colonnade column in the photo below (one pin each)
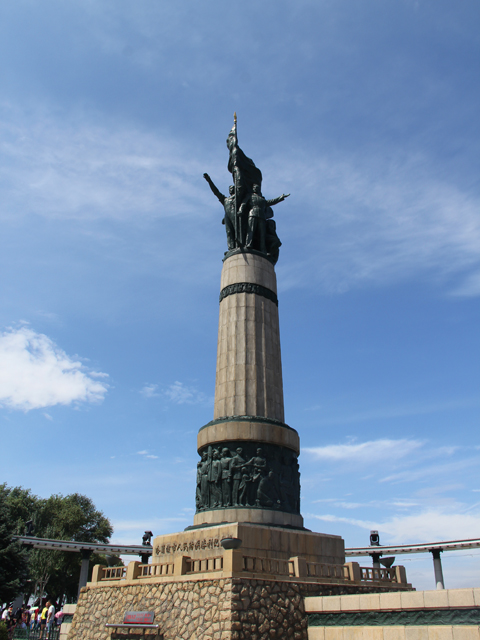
(86, 553)
(437, 568)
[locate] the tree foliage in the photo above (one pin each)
(73, 517)
(13, 559)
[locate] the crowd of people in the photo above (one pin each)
(39, 620)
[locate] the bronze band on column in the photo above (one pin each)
(248, 287)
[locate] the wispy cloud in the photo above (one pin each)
(398, 411)
(381, 224)
(431, 470)
(125, 528)
(150, 391)
(378, 222)
(342, 504)
(182, 394)
(470, 287)
(73, 168)
(429, 525)
(364, 452)
(178, 393)
(36, 373)
(146, 454)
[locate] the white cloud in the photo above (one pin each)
(150, 391)
(181, 394)
(430, 525)
(36, 373)
(364, 452)
(152, 524)
(399, 411)
(380, 221)
(470, 286)
(73, 168)
(426, 471)
(145, 454)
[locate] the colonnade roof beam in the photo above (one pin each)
(94, 547)
(448, 545)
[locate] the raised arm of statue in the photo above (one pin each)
(281, 198)
(219, 195)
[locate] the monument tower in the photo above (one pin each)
(243, 568)
(248, 479)
(249, 469)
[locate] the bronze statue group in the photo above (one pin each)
(248, 215)
(227, 477)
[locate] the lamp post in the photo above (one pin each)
(375, 542)
(146, 541)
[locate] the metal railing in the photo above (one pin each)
(34, 634)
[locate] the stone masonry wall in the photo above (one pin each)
(184, 610)
(264, 610)
(217, 609)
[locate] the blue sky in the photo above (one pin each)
(111, 248)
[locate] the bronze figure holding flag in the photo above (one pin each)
(248, 215)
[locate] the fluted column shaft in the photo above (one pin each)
(249, 368)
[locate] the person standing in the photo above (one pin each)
(6, 615)
(26, 616)
(33, 618)
(50, 617)
(43, 620)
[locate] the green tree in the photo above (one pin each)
(13, 559)
(73, 517)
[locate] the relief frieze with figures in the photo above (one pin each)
(248, 474)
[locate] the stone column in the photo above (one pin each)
(249, 469)
(437, 568)
(86, 553)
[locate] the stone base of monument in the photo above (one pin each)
(201, 591)
(259, 545)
